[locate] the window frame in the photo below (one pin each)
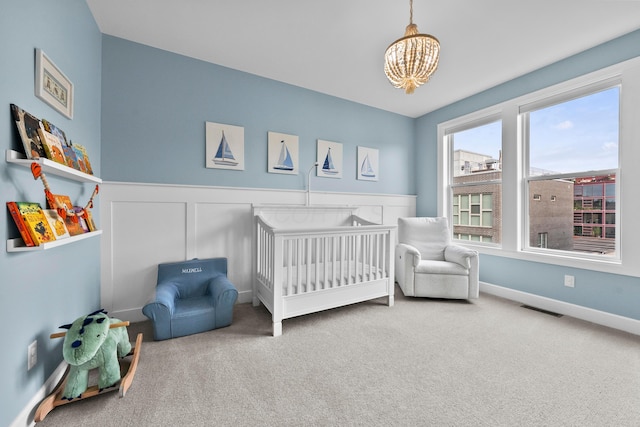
(523, 124)
(514, 202)
(480, 120)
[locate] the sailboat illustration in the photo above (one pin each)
(366, 170)
(284, 161)
(327, 166)
(224, 156)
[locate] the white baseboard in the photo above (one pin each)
(584, 313)
(25, 418)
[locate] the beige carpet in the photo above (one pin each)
(420, 363)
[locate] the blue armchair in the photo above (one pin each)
(191, 297)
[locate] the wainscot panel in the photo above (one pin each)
(147, 224)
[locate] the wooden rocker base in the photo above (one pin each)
(127, 372)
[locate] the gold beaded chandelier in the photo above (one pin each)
(412, 59)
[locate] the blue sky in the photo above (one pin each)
(574, 136)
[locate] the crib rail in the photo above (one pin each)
(302, 260)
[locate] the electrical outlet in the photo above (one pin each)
(569, 281)
(32, 355)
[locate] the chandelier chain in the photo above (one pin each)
(410, 11)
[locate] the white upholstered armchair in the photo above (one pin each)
(429, 265)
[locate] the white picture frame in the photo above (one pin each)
(282, 155)
(224, 146)
(52, 86)
(368, 166)
(329, 158)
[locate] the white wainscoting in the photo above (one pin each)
(147, 224)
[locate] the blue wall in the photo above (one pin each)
(607, 292)
(155, 105)
(41, 290)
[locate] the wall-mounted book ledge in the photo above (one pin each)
(17, 245)
(51, 167)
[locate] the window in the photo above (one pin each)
(563, 143)
(476, 181)
(572, 143)
(473, 210)
(542, 240)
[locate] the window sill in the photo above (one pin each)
(605, 265)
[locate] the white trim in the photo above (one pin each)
(609, 320)
(25, 418)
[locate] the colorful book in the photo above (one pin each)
(51, 128)
(81, 151)
(19, 221)
(52, 146)
(90, 222)
(72, 222)
(70, 156)
(69, 153)
(28, 126)
(36, 222)
(56, 223)
(83, 222)
(79, 158)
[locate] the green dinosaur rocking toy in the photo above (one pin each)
(91, 343)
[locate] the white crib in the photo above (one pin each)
(309, 259)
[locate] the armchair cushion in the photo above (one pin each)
(441, 267)
(191, 297)
(429, 236)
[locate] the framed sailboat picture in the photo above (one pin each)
(367, 166)
(329, 159)
(282, 153)
(224, 146)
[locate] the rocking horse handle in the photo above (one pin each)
(113, 325)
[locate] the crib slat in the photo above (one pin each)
(377, 264)
(333, 262)
(271, 248)
(308, 263)
(371, 241)
(289, 267)
(342, 260)
(359, 257)
(326, 263)
(316, 264)
(384, 255)
(298, 248)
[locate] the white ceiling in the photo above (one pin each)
(336, 46)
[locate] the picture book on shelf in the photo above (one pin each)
(73, 226)
(81, 151)
(28, 126)
(20, 224)
(69, 153)
(90, 222)
(79, 158)
(51, 128)
(52, 146)
(83, 222)
(56, 223)
(70, 156)
(36, 222)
